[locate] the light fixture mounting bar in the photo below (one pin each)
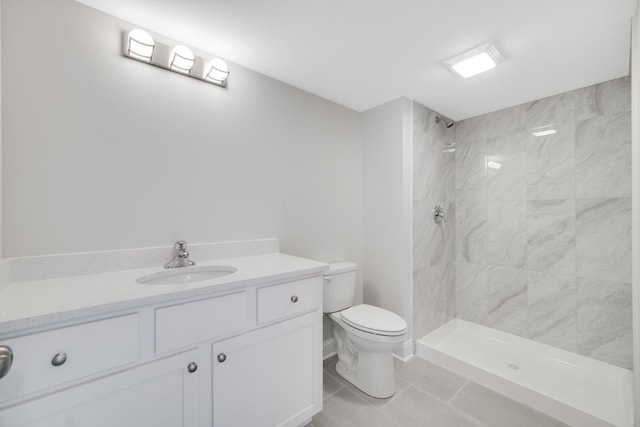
(138, 45)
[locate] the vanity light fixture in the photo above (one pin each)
(216, 71)
(139, 45)
(475, 61)
(181, 59)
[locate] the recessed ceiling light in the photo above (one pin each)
(544, 132)
(475, 61)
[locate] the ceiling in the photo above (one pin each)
(363, 53)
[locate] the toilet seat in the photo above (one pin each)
(373, 320)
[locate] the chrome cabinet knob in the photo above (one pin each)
(6, 360)
(294, 298)
(192, 367)
(59, 359)
(222, 357)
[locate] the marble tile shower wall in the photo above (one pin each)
(543, 224)
(433, 244)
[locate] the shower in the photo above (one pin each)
(503, 305)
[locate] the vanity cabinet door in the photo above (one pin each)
(160, 394)
(269, 377)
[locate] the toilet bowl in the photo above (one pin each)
(365, 335)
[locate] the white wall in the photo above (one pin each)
(1, 145)
(387, 207)
(635, 207)
(103, 152)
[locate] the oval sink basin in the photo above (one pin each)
(186, 275)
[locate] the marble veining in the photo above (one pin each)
(471, 292)
(472, 129)
(553, 110)
(551, 236)
(471, 231)
(507, 121)
(470, 168)
(551, 165)
(420, 302)
(434, 183)
(421, 243)
(441, 294)
(603, 243)
(507, 234)
(554, 212)
(506, 167)
(604, 320)
(552, 310)
(507, 300)
(603, 156)
(433, 168)
(610, 97)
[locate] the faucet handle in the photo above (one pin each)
(180, 245)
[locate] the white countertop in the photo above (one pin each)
(32, 304)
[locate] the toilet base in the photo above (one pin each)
(372, 373)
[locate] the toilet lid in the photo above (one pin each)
(374, 319)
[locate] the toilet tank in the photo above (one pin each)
(339, 284)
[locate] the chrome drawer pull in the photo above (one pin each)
(6, 360)
(59, 359)
(192, 367)
(294, 298)
(222, 357)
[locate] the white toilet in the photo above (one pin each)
(365, 335)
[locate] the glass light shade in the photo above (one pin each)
(181, 59)
(216, 71)
(140, 45)
(475, 61)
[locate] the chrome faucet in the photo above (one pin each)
(180, 256)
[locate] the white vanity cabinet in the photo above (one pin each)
(273, 376)
(250, 356)
(163, 393)
(269, 377)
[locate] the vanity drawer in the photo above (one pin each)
(81, 350)
(289, 299)
(182, 325)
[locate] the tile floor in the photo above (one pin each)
(426, 395)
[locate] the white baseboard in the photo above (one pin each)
(329, 348)
(406, 351)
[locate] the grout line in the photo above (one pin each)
(461, 411)
(349, 387)
(332, 394)
(458, 391)
(395, 395)
(327, 372)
